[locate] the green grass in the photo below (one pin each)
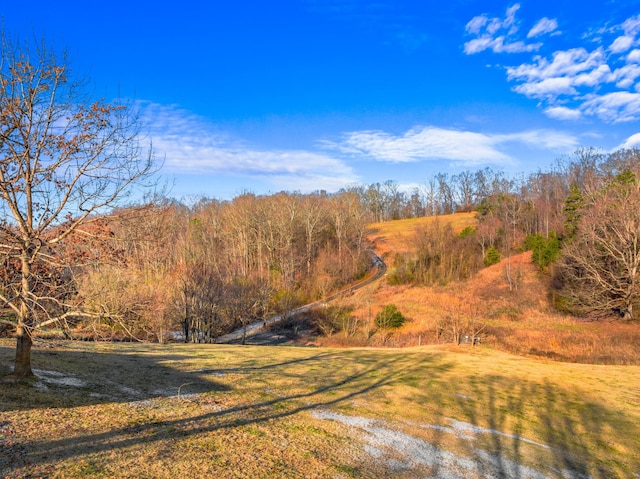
(249, 411)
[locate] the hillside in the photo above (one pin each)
(518, 319)
(397, 236)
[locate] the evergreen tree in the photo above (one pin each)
(389, 317)
(571, 210)
(492, 257)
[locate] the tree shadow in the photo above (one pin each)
(497, 425)
(327, 388)
(71, 378)
(571, 436)
(505, 426)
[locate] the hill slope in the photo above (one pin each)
(515, 315)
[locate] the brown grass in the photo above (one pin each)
(398, 236)
(165, 411)
(520, 319)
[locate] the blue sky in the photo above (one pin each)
(310, 94)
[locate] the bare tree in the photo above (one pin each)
(445, 193)
(312, 218)
(463, 187)
(64, 160)
(601, 263)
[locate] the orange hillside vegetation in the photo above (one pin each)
(515, 315)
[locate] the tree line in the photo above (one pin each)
(209, 268)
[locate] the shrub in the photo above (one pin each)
(330, 320)
(389, 317)
(467, 232)
(492, 257)
(404, 270)
(544, 250)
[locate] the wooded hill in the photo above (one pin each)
(207, 267)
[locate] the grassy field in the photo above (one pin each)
(156, 411)
(397, 236)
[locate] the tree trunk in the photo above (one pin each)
(22, 367)
(186, 323)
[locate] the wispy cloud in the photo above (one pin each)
(190, 144)
(563, 113)
(542, 138)
(598, 79)
(500, 35)
(545, 25)
(432, 143)
(420, 144)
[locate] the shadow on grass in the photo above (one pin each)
(67, 378)
(567, 436)
(500, 426)
(328, 387)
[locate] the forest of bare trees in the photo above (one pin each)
(213, 266)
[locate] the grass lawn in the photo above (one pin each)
(148, 410)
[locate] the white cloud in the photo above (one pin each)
(544, 26)
(478, 44)
(191, 145)
(548, 139)
(564, 64)
(476, 23)
(634, 56)
(514, 47)
(626, 76)
(600, 81)
(547, 88)
(631, 26)
(621, 44)
(616, 107)
(432, 143)
(497, 34)
(510, 18)
(593, 78)
(632, 142)
(562, 113)
(498, 45)
(423, 144)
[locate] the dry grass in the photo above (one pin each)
(519, 319)
(127, 410)
(398, 236)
